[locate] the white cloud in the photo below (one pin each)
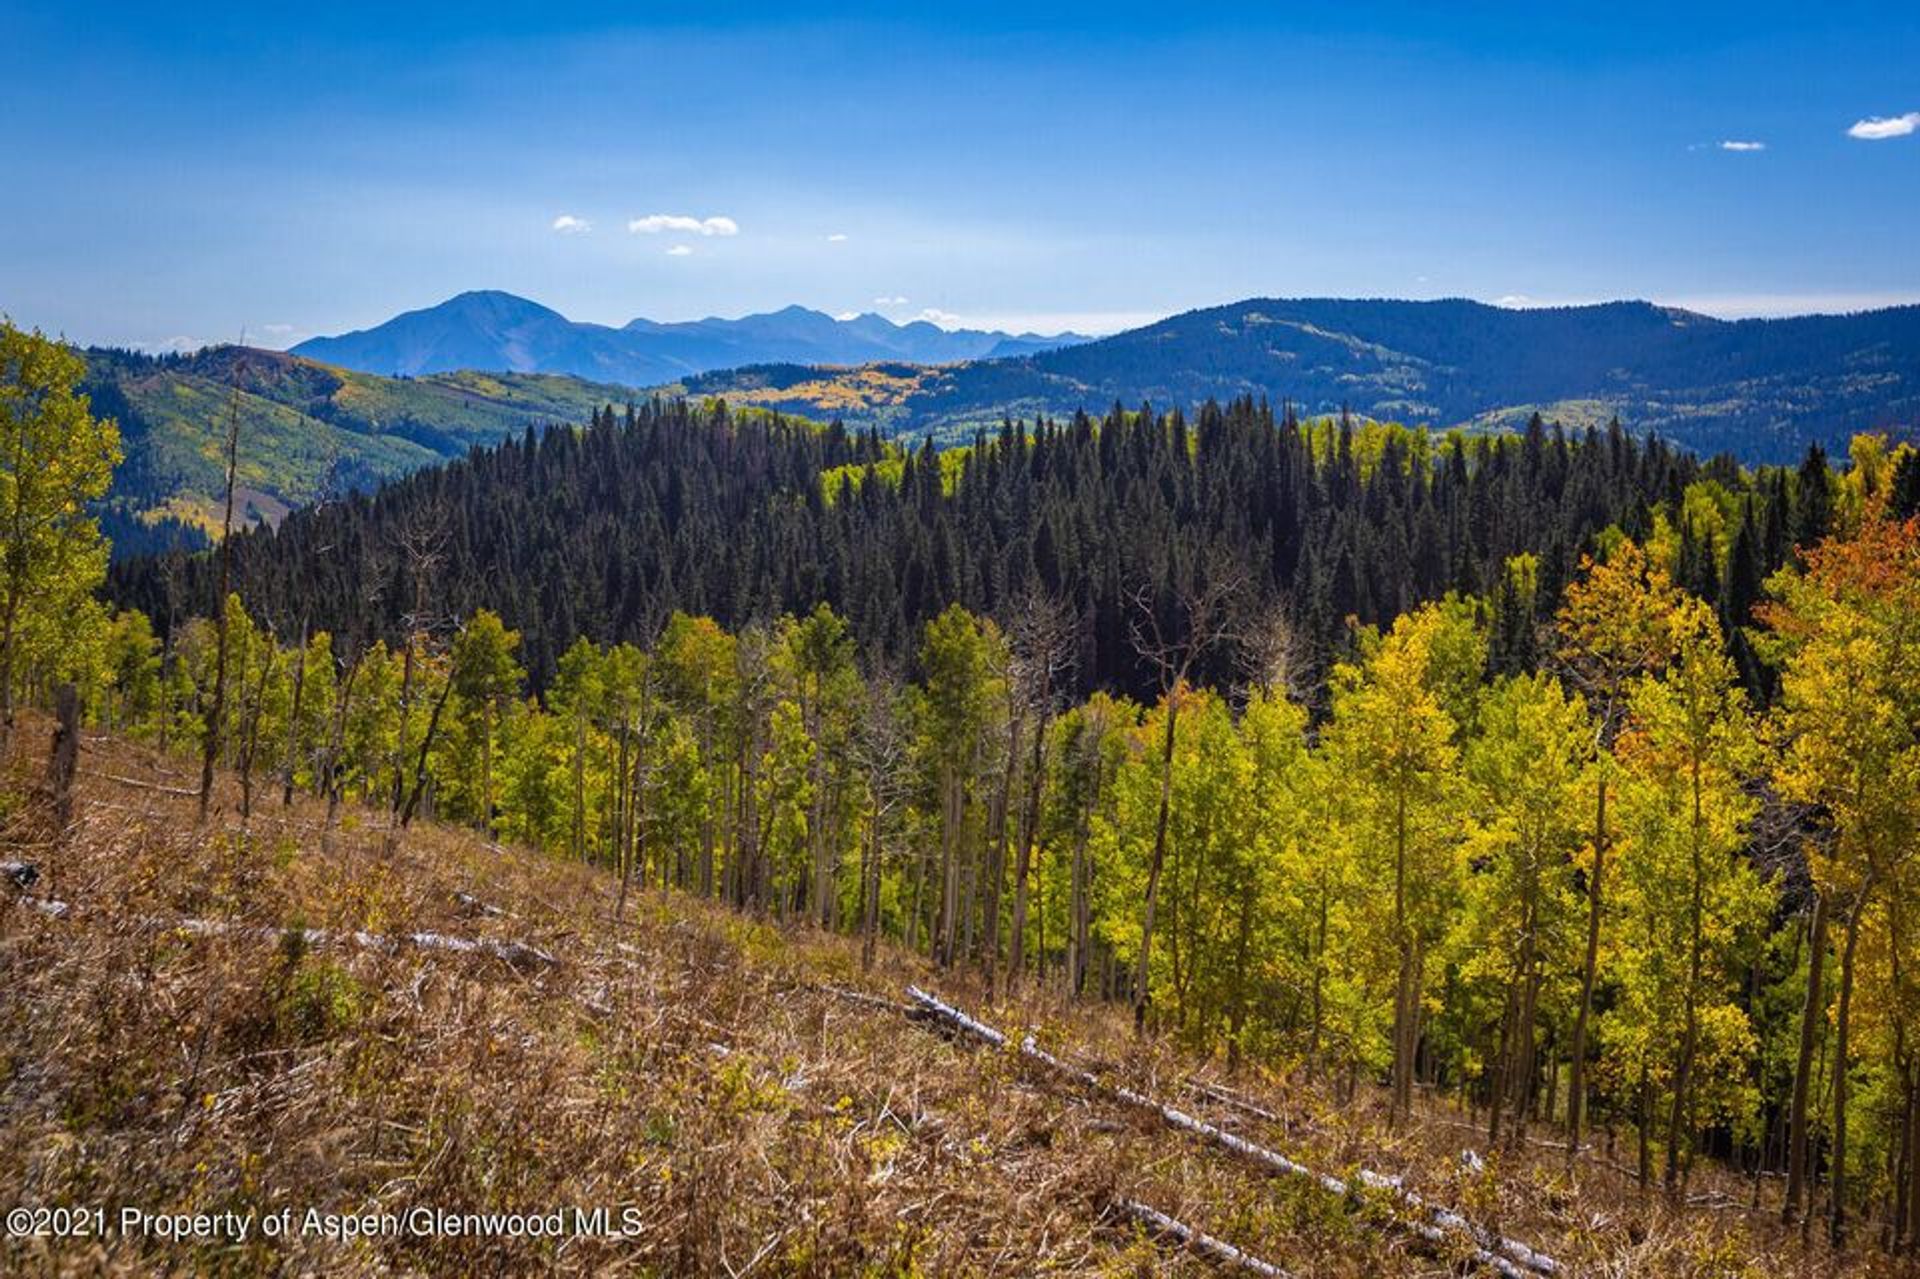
(1876, 128)
(179, 345)
(838, 237)
(567, 224)
(1731, 145)
(944, 319)
(655, 223)
(1513, 300)
(680, 251)
(844, 316)
(884, 301)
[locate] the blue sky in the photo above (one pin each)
(182, 173)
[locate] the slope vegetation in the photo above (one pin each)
(256, 1017)
(306, 428)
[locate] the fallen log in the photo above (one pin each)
(1218, 1251)
(137, 784)
(516, 953)
(512, 952)
(869, 1001)
(475, 906)
(1440, 1226)
(1221, 1096)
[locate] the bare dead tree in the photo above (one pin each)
(210, 737)
(753, 668)
(421, 544)
(252, 708)
(329, 772)
(1273, 654)
(883, 753)
(1088, 769)
(293, 718)
(1202, 617)
(1042, 643)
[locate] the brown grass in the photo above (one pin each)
(688, 1065)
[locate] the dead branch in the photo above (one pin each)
(1218, 1251)
(870, 1001)
(137, 784)
(1440, 1226)
(517, 953)
(1215, 1093)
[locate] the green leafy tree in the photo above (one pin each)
(1393, 740)
(55, 458)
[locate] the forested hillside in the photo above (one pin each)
(604, 531)
(1759, 389)
(310, 429)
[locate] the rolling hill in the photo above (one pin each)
(494, 331)
(1760, 389)
(305, 427)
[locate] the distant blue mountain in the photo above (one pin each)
(493, 331)
(1760, 389)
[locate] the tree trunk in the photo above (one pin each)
(1677, 1115)
(293, 723)
(1811, 1014)
(1643, 1124)
(1589, 969)
(1081, 925)
(870, 892)
(1403, 986)
(1023, 865)
(1142, 995)
(426, 744)
(65, 758)
(9, 646)
(336, 744)
(1837, 1228)
(486, 763)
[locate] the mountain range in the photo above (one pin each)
(499, 332)
(1759, 389)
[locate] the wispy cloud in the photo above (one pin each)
(1733, 145)
(884, 301)
(838, 237)
(567, 224)
(1878, 128)
(179, 345)
(680, 251)
(658, 223)
(943, 319)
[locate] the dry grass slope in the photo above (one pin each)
(689, 1066)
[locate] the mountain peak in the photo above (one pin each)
(492, 301)
(490, 330)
